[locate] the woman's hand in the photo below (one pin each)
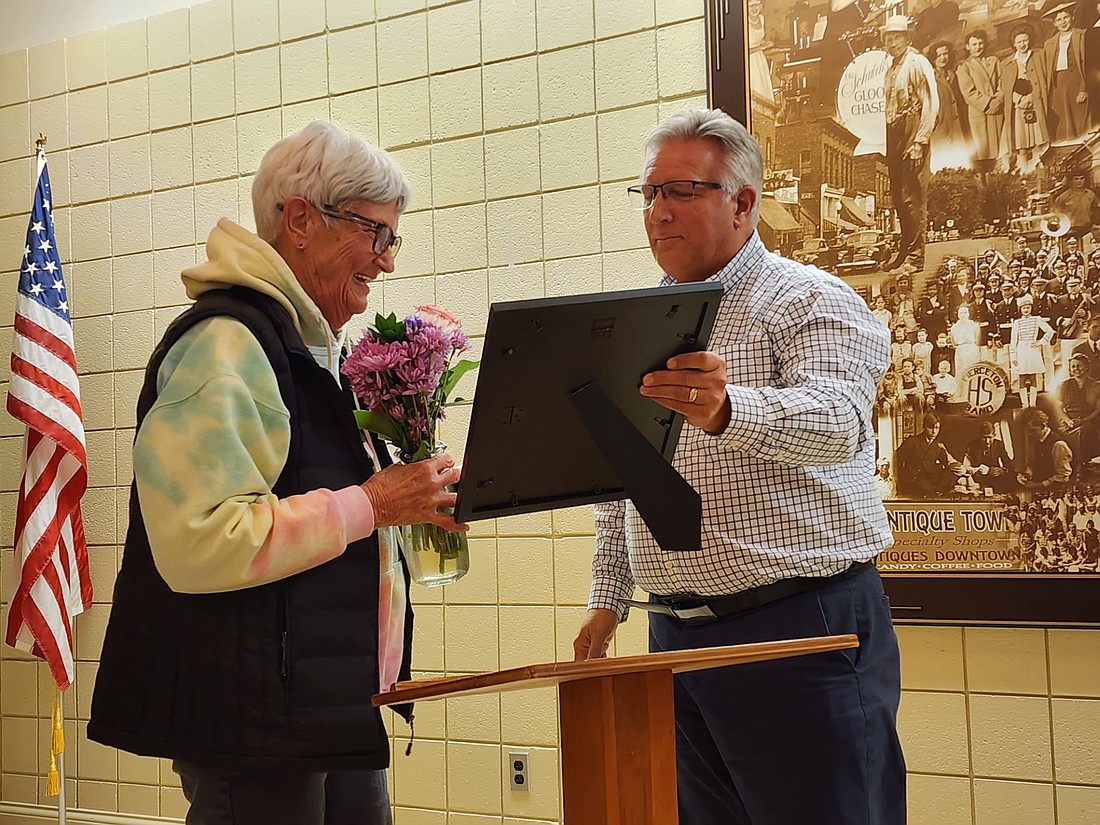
(415, 493)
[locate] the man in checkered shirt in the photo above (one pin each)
(780, 446)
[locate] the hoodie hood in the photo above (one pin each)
(237, 257)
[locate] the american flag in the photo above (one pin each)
(53, 585)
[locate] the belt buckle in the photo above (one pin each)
(693, 612)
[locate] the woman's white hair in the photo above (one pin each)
(743, 162)
(325, 165)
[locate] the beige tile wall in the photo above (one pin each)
(1001, 726)
(518, 121)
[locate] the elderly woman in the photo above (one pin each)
(261, 601)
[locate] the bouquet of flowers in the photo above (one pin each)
(403, 373)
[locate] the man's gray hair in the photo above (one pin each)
(743, 162)
(325, 165)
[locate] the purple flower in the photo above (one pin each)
(400, 379)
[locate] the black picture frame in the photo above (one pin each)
(558, 420)
(947, 597)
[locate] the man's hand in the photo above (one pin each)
(915, 152)
(1082, 97)
(595, 634)
(694, 384)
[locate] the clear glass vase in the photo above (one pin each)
(434, 555)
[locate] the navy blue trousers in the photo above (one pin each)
(284, 797)
(810, 740)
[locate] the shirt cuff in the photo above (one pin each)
(607, 594)
(749, 420)
(358, 513)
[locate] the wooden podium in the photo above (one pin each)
(615, 716)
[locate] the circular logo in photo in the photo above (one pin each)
(986, 387)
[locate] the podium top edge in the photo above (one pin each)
(554, 673)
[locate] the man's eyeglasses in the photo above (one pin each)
(384, 236)
(678, 191)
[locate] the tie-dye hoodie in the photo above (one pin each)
(215, 441)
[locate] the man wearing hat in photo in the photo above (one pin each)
(988, 462)
(1042, 264)
(1065, 60)
(1075, 271)
(1055, 276)
(980, 83)
(1022, 253)
(1073, 310)
(981, 312)
(1043, 303)
(911, 107)
(1091, 272)
(1073, 252)
(1077, 203)
(1006, 310)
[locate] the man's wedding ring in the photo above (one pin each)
(693, 395)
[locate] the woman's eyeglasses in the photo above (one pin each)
(384, 236)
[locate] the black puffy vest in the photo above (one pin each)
(276, 675)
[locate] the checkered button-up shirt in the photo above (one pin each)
(788, 488)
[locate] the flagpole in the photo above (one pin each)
(40, 151)
(61, 764)
(59, 722)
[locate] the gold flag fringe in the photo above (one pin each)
(57, 746)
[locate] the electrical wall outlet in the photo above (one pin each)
(518, 771)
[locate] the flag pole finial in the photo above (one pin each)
(40, 144)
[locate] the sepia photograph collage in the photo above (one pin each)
(943, 158)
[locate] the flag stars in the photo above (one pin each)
(51, 267)
(63, 306)
(37, 227)
(36, 289)
(45, 246)
(59, 285)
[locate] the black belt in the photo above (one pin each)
(705, 609)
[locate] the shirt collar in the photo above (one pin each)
(746, 259)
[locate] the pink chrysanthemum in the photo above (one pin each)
(403, 371)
